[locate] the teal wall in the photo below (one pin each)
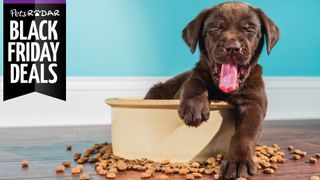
(143, 37)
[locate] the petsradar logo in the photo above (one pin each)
(34, 48)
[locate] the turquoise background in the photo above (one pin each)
(143, 37)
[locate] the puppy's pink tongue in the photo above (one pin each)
(228, 77)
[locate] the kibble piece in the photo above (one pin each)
(281, 160)
(266, 165)
(296, 157)
(273, 166)
(60, 168)
(193, 170)
(303, 154)
(201, 170)
(168, 171)
(216, 177)
(68, 148)
(299, 152)
(208, 171)
(195, 165)
(317, 155)
(183, 171)
(165, 162)
(69, 178)
(150, 171)
(121, 165)
(312, 160)
(113, 170)
(111, 175)
(79, 166)
(314, 178)
(210, 160)
(25, 163)
(82, 160)
(189, 177)
(197, 175)
(75, 171)
(66, 163)
(84, 177)
(76, 155)
(268, 171)
(145, 175)
(102, 172)
(241, 178)
(92, 160)
(162, 177)
(290, 148)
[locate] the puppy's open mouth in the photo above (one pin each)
(229, 75)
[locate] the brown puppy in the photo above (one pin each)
(230, 37)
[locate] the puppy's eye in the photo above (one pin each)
(249, 30)
(215, 29)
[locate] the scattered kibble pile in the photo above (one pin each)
(109, 165)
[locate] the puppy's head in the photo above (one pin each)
(231, 36)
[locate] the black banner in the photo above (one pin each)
(34, 50)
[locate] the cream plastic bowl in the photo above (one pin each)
(152, 129)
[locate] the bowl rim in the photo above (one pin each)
(159, 103)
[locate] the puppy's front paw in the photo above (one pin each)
(233, 167)
(194, 111)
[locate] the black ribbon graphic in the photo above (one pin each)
(18, 75)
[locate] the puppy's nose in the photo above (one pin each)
(233, 48)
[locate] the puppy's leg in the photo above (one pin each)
(239, 160)
(169, 89)
(194, 102)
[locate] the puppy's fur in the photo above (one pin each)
(235, 32)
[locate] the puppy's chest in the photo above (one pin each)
(216, 94)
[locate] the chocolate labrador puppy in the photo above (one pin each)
(230, 37)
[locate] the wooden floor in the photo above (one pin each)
(45, 149)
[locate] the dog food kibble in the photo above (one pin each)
(165, 162)
(111, 175)
(299, 152)
(274, 167)
(68, 148)
(197, 175)
(312, 160)
(102, 172)
(80, 166)
(76, 155)
(60, 169)
(241, 178)
(162, 177)
(296, 157)
(195, 165)
(208, 171)
(76, 171)
(84, 177)
(145, 175)
(184, 171)
(189, 177)
(25, 163)
(168, 171)
(268, 171)
(66, 163)
(122, 165)
(216, 177)
(314, 178)
(107, 164)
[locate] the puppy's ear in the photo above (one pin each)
(271, 30)
(192, 31)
